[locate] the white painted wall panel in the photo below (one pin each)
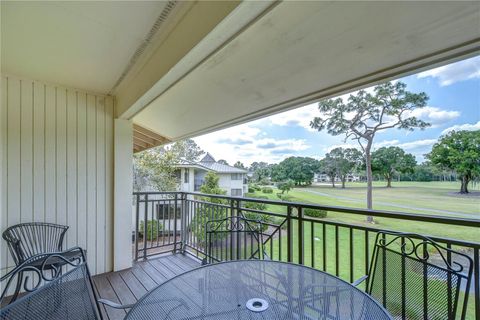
(57, 164)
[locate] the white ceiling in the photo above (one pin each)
(302, 51)
(81, 44)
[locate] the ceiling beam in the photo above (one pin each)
(145, 139)
(195, 24)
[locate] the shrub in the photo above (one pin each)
(316, 213)
(251, 190)
(255, 205)
(267, 190)
(254, 187)
(264, 218)
(154, 229)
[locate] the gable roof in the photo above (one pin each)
(222, 168)
(208, 158)
(208, 163)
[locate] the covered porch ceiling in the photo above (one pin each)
(295, 53)
(183, 68)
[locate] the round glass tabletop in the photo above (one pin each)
(256, 289)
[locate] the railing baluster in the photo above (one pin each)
(137, 221)
(337, 253)
(476, 279)
(175, 225)
(145, 221)
(351, 254)
(312, 243)
(324, 246)
(367, 256)
(279, 244)
(289, 234)
(300, 235)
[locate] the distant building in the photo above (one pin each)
(192, 174)
(323, 177)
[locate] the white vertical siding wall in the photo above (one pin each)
(57, 164)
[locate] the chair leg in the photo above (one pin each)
(18, 287)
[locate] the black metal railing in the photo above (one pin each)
(176, 222)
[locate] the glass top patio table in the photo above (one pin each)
(256, 289)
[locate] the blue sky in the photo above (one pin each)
(454, 103)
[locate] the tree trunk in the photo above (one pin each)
(464, 187)
(332, 179)
(389, 180)
(343, 181)
(368, 162)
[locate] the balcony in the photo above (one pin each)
(328, 244)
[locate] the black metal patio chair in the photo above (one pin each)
(233, 238)
(26, 240)
(417, 278)
(52, 295)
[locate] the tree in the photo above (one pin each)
(205, 213)
(285, 186)
(210, 184)
(365, 114)
(341, 162)
(261, 170)
(186, 149)
(298, 169)
(155, 168)
(329, 168)
(459, 151)
(222, 161)
(389, 161)
(239, 165)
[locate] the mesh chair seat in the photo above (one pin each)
(68, 297)
(63, 291)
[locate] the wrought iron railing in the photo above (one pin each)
(176, 222)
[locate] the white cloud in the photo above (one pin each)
(434, 116)
(254, 146)
(455, 72)
(297, 117)
(465, 126)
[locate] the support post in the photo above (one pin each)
(122, 195)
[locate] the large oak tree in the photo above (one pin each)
(389, 161)
(365, 114)
(459, 151)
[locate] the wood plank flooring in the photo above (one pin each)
(127, 286)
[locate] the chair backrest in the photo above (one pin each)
(233, 238)
(416, 278)
(26, 240)
(65, 292)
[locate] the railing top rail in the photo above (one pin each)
(466, 222)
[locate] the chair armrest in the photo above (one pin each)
(116, 305)
(359, 281)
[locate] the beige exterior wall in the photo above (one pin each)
(57, 164)
(225, 182)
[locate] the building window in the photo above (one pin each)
(186, 175)
(236, 192)
(166, 211)
(237, 176)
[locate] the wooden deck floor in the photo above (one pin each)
(127, 286)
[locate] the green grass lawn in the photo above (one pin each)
(435, 198)
(430, 198)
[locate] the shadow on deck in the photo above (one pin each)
(127, 286)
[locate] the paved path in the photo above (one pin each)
(443, 212)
